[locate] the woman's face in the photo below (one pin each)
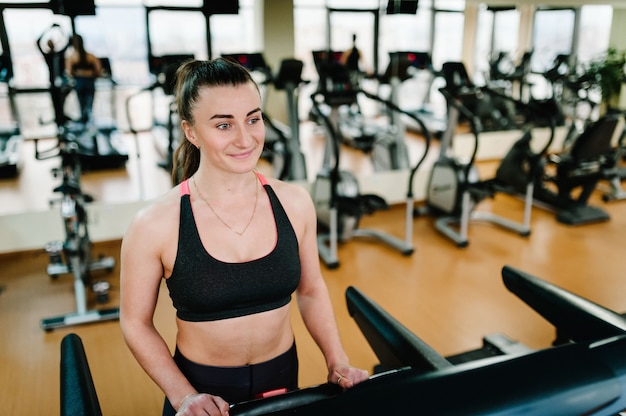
(228, 127)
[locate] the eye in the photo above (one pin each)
(223, 126)
(254, 120)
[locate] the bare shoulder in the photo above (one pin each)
(297, 202)
(157, 219)
(294, 197)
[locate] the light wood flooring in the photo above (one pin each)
(450, 297)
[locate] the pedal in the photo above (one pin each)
(104, 263)
(101, 289)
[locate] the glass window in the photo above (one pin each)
(119, 34)
(552, 35)
(118, 31)
(236, 33)
(178, 32)
(594, 31)
(483, 46)
(178, 3)
(344, 24)
(505, 30)
(497, 32)
(29, 67)
(450, 5)
(405, 32)
(448, 38)
(352, 4)
(310, 35)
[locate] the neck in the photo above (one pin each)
(217, 185)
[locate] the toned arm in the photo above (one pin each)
(142, 268)
(312, 294)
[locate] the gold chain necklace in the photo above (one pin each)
(239, 233)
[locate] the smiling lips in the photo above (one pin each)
(242, 155)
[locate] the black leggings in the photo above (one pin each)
(238, 384)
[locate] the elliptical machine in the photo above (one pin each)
(287, 157)
(338, 201)
(454, 187)
(412, 65)
(282, 142)
(381, 136)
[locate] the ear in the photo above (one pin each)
(189, 133)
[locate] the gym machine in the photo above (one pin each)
(74, 254)
(166, 133)
(580, 168)
(404, 66)
(616, 172)
(564, 182)
(517, 74)
(289, 79)
(382, 136)
(163, 66)
(355, 130)
(78, 392)
(100, 144)
(454, 187)
(493, 109)
(585, 375)
(282, 141)
(338, 201)
(10, 135)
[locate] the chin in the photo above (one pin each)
(244, 166)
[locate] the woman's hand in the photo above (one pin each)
(346, 376)
(203, 404)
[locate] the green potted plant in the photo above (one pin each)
(608, 74)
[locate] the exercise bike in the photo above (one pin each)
(615, 173)
(564, 182)
(74, 254)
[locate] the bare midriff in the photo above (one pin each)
(250, 339)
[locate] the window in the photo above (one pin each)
(553, 34)
(118, 31)
(594, 31)
(497, 31)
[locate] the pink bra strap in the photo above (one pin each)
(261, 178)
(184, 187)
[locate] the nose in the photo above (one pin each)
(246, 136)
(243, 139)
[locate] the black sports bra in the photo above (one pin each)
(204, 288)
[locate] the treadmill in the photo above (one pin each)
(101, 145)
(405, 65)
(10, 135)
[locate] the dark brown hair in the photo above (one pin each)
(190, 77)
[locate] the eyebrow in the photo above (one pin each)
(231, 116)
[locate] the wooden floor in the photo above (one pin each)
(450, 297)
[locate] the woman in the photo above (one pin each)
(353, 60)
(233, 246)
(53, 51)
(84, 68)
